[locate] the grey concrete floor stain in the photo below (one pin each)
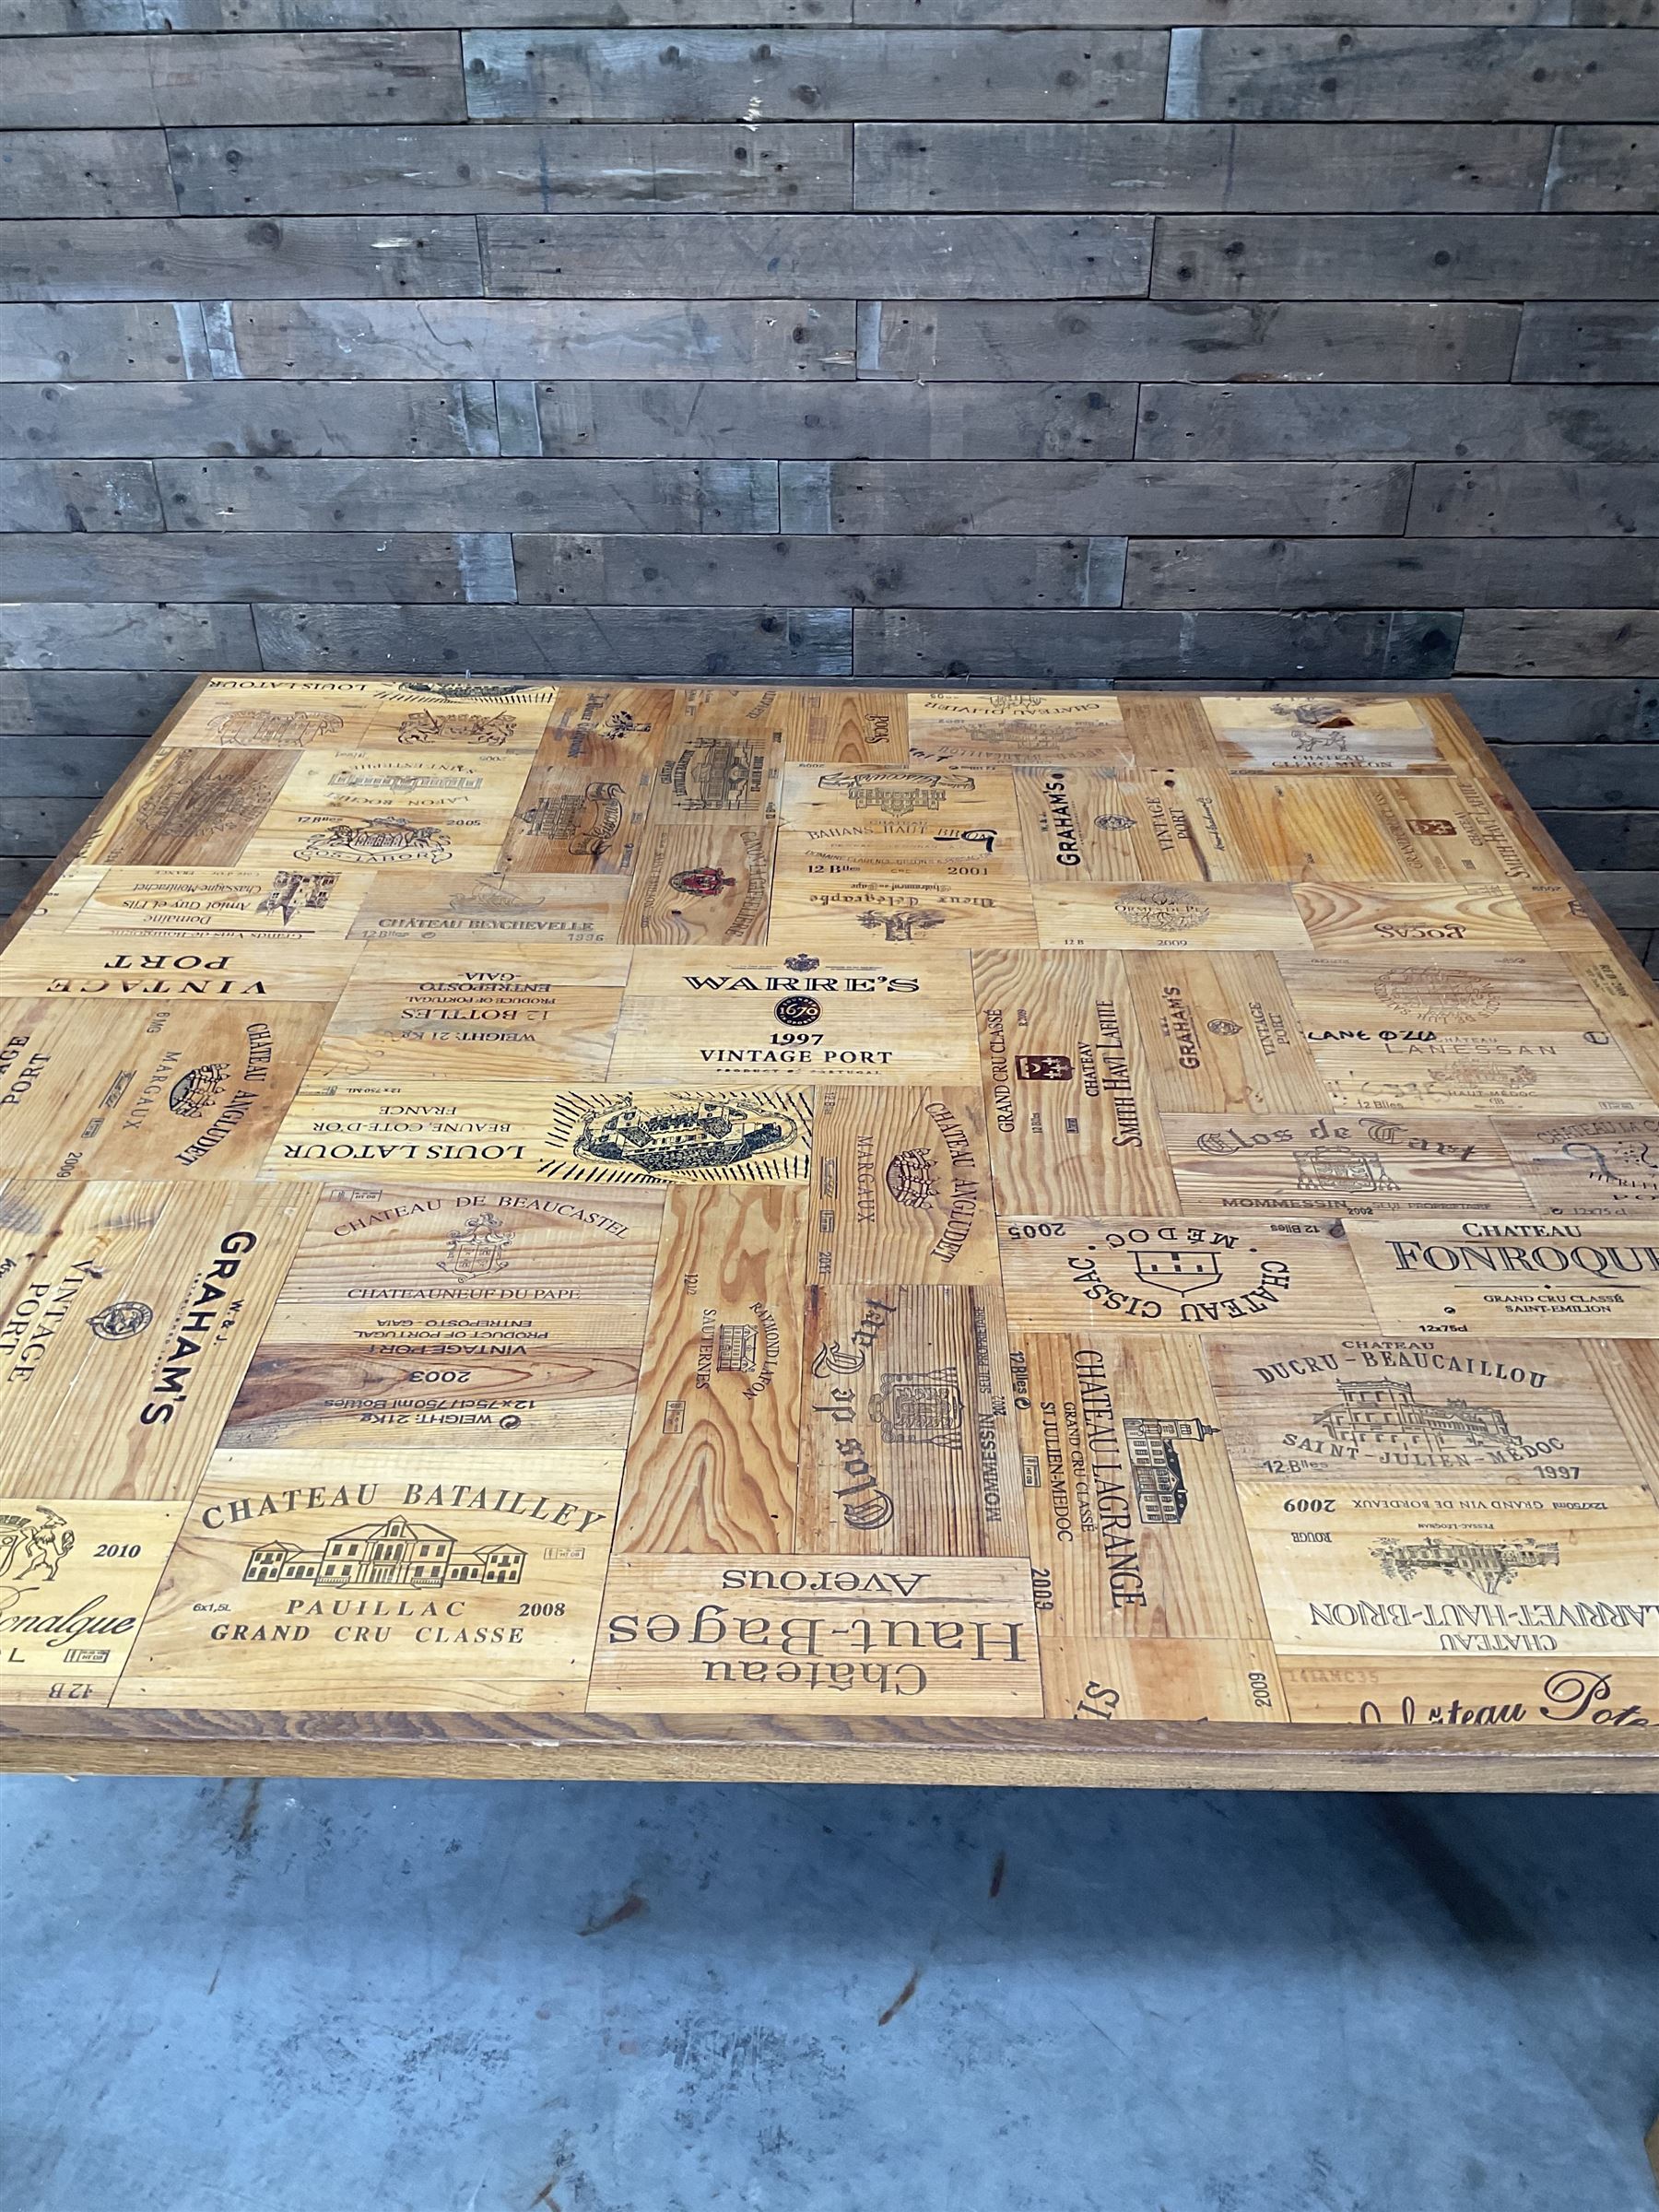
(567, 1997)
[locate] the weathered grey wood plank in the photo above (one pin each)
(31, 828)
(51, 768)
(1188, 12)
(1551, 640)
(1064, 647)
(560, 641)
(1580, 343)
(253, 420)
(17, 878)
(308, 258)
(344, 76)
(1500, 499)
(589, 570)
(1575, 711)
(730, 75)
(61, 635)
(84, 173)
(817, 256)
(56, 17)
(1370, 571)
(834, 422)
(417, 567)
(1613, 165)
(53, 704)
(39, 343)
(1107, 497)
(1160, 339)
(1629, 900)
(1407, 257)
(1492, 74)
(1584, 775)
(717, 495)
(78, 495)
(324, 14)
(386, 15)
(531, 339)
(1386, 422)
(511, 168)
(1166, 168)
(1624, 839)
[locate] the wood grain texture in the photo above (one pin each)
(810, 240)
(1295, 342)
(249, 422)
(1495, 72)
(598, 76)
(711, 1462)
(333, 566)
(398, 339)
(880, 421)
(504, 169)
(839, 343)
(812, 256)
(1110, 496)
(867, 1410)
(1415, 422)
(1424, 257)
(1171, 167)
(399, 495)
(311, 257)
(87, 172)
(64, 83)
(831, 570)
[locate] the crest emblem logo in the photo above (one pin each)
(922, 1408)
(1180, 1270)
(33, 1546)
(292, 892)
(480, 1248)
(127, 1317)
(909, 1178)
(196, 1091)
(899, 925)
(701, 883)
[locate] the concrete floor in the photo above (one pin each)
(453, 1997)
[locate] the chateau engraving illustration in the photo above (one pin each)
(395, 1554)
(716, 774)
(1160, 1491)
(1336, 1171)
(700, 1133)
(895, 794)
(1387, 1417)
(1488, 1566)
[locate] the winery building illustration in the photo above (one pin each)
(395, 1554)
(1385, 1416)
(1160, 1491)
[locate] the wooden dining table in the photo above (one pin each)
(711, 1231)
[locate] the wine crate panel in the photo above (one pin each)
(706, 1227)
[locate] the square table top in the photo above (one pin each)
(720, 1232)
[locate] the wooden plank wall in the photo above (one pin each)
(1187, 342)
